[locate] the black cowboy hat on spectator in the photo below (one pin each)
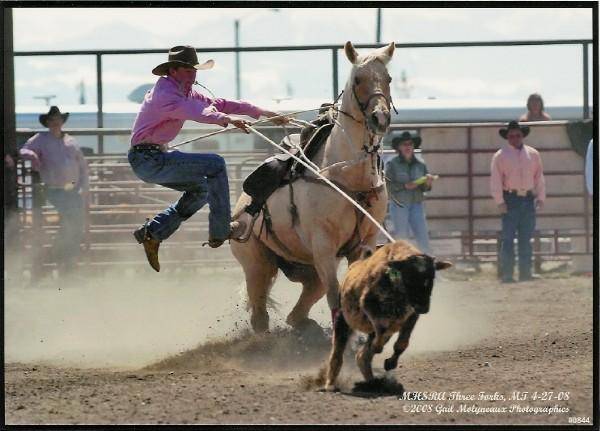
(512, 126)
(406, 136)
(182, 56)
(51, 113)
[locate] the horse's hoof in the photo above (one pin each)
(260, 324)
(329, 388)
(311, 330)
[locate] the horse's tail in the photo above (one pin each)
(271, 303)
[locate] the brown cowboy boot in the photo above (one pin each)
(150, 245)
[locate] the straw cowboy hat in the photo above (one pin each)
(406, 136)
(513, 125)
(51, 113)
(182, 56)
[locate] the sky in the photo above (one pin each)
(490, 73)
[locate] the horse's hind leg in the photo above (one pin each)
(312, 290)
(260, 270)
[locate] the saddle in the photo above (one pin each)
(281, 169)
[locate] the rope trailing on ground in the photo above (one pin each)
(327, 181)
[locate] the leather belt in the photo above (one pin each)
(147, 147)
(521, 193)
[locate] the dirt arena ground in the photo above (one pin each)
(175, 348)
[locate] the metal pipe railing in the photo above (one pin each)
(334, 53)
(471, 248)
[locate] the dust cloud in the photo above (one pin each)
(137, 318)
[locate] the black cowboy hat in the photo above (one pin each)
(513, 125)
(52, 112)
(406, 136)
(182, 56)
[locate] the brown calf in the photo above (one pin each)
(382, 294)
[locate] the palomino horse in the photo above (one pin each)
(309, 247)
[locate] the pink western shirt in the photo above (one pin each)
(165, 109)
(59, 160)
(517, 169)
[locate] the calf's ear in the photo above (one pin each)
(442, 264)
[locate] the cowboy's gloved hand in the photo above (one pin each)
(279, 120)
(239, 123)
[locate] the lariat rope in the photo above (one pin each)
(229, 129)
(326, 180)
(306, 162)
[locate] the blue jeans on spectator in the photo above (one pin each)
(519, 221)
(67, 245)
(202, 178)
(411, 217)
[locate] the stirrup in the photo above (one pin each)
(244, 239)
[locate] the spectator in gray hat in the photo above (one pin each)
(407, 180)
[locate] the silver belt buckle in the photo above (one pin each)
(522, 192)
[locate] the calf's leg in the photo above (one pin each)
(374, 344)
(401, 343)
(364, 357)
(341, 334)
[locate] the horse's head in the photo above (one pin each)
(369, 85)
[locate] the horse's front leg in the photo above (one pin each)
(327, 270)
(369, 236)
(326, 264)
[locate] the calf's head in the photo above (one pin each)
(416, 274)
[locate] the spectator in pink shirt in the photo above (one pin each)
(64, 172)
(202, 177)
(518, 188)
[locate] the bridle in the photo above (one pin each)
(363, 106)
(373, 148)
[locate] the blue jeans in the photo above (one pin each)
(411, 217)
(519, 221)
(202, 178)
(69, 205)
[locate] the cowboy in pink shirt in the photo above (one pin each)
(518, 188)
(202, 177)
(166, 107)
